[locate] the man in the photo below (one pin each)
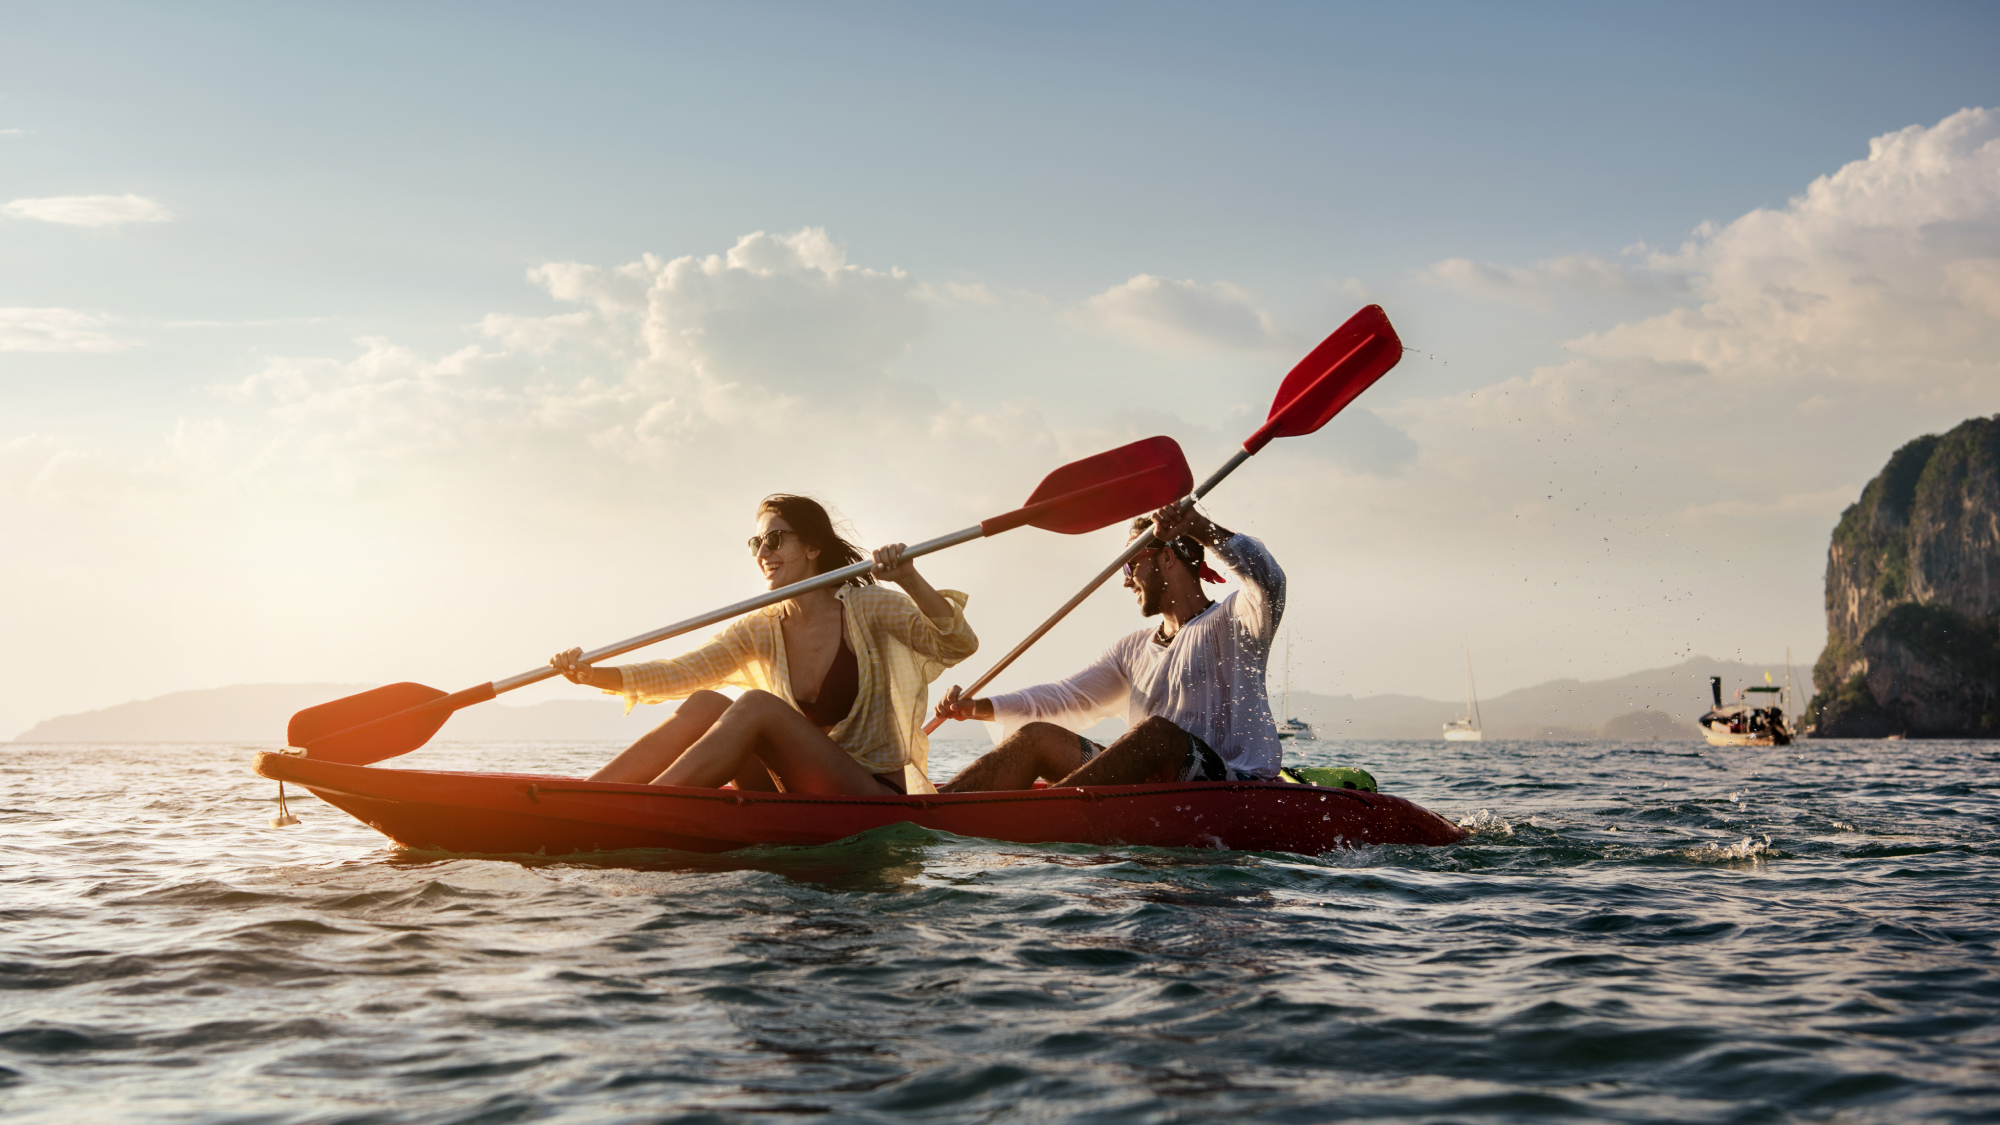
(1191, 689)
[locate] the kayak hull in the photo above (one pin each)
(515, 814)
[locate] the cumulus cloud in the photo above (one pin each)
(55, 330)
(776, 354)
(1819, 336)
(1169, 315)
(781, 313)
(1881, 274)
(88, 210)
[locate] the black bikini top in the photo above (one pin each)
(838, 690)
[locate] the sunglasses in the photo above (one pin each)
(1132, 563)
(769, 541)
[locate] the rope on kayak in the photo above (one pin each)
(284, 819)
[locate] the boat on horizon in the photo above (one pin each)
(1746, 722)
(1469, 728)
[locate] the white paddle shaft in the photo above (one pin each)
(769, 597)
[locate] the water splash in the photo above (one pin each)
(1486, 822)
(1753, 849)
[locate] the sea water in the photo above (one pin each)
(1656, 932)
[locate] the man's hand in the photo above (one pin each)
(955, 706)
(1173, 521)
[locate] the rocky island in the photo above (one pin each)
(1913, 597)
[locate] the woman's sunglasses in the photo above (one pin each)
(769, 541)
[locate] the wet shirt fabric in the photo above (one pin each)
(1208, 680)
(897, 650)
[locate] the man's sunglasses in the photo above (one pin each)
(1133, 562)
(769, 541)
(1149, 552)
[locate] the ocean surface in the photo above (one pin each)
(1636, 932)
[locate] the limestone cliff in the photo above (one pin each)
(1913, 596)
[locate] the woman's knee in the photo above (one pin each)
(758, 702)
(1157, 726)
(704, 706)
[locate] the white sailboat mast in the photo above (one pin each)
(1288, 672)
(1472, 692)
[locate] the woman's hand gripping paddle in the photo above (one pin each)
(1081, 496)
(1319, 387)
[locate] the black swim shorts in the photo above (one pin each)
(1201, 764)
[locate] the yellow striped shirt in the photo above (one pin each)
(898, 652)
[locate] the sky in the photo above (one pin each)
(368, 342)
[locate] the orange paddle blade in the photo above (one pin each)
(320, 729)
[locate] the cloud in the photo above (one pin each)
(1883, 273)
(779, 313)
(1169, 315)
(776, 355)
(1818, 337)
(55, 330)
(89, 210)
(1534, 286)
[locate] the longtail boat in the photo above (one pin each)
(535, 814)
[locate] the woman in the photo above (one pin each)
(837, 679)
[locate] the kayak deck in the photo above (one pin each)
(512, 814)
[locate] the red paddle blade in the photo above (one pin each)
(1325, 381)
(1099, 491)
(319, 729)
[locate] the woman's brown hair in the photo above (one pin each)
(815, 530)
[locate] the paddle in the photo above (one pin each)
(1081, 496)
(1317, 388)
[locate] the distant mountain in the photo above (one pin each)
(257, 713)
(1574, 709)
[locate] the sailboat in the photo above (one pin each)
(1468, 729)
(1290, 727)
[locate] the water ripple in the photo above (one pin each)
(1633, 933)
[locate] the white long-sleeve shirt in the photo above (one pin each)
(1208, 680)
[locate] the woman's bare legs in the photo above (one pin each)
(762, 727)
(642, 761)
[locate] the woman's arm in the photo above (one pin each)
(718, 663)
(890, 566)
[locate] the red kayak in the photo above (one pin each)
(512, 813)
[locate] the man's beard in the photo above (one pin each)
(1149, 599)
